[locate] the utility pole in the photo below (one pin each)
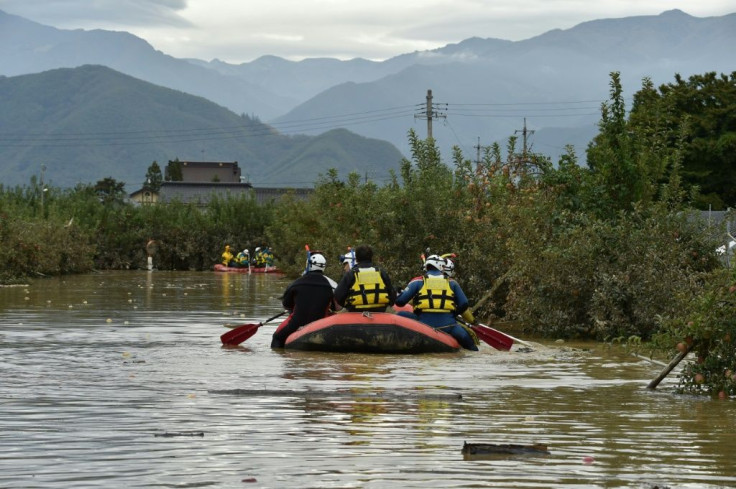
(430, 113)
(477, 154)
(43, 189)
(524, 133)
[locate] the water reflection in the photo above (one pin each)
(95, 369)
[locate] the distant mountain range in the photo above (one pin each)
(84, 124)
(483, 91)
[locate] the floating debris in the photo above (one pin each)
(179, 433)
(477, 451)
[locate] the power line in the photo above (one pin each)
(428, 111)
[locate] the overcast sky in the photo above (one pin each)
(242, 30)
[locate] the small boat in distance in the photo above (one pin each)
(219, 267)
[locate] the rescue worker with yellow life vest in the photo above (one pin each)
(365, 287)
(438, 299)
(259, 260)
(263, 257)
(242, 259)
(267, 256)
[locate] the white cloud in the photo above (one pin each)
(99, 14)
(239, 30)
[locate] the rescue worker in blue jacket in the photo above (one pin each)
(267, 256)
(242, 259)
(365, 287)
(259, 259)
(437, 300)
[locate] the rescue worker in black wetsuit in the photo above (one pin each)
(365, 287)
(309, 298)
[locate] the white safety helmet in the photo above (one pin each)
(348, 258)
(245, 251)
(317, 262)
(436, 262)
(449, 268)
(258, 248)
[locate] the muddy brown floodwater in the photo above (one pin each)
(119, 380)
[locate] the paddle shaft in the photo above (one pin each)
(309, 255)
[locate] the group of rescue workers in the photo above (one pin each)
(262, 257)
(365, 287)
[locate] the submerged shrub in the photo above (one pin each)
(709, 325)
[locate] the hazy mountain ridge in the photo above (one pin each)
(84, 124)
(28, 47)
(529, 76)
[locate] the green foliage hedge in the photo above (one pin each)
(77, 230)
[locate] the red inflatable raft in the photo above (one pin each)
(376, 332)
(219, 267)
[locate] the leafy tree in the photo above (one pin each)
(612, 156)
(110, 190)
(154, 178)
(698, 116)
(173, 171)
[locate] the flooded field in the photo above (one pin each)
(119, 380)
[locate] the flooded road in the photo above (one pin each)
(119, 380)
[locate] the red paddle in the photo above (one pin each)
(242, 333)
(510, 338)
(493, 337)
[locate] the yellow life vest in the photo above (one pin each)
(368, 291)
(436, 295)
